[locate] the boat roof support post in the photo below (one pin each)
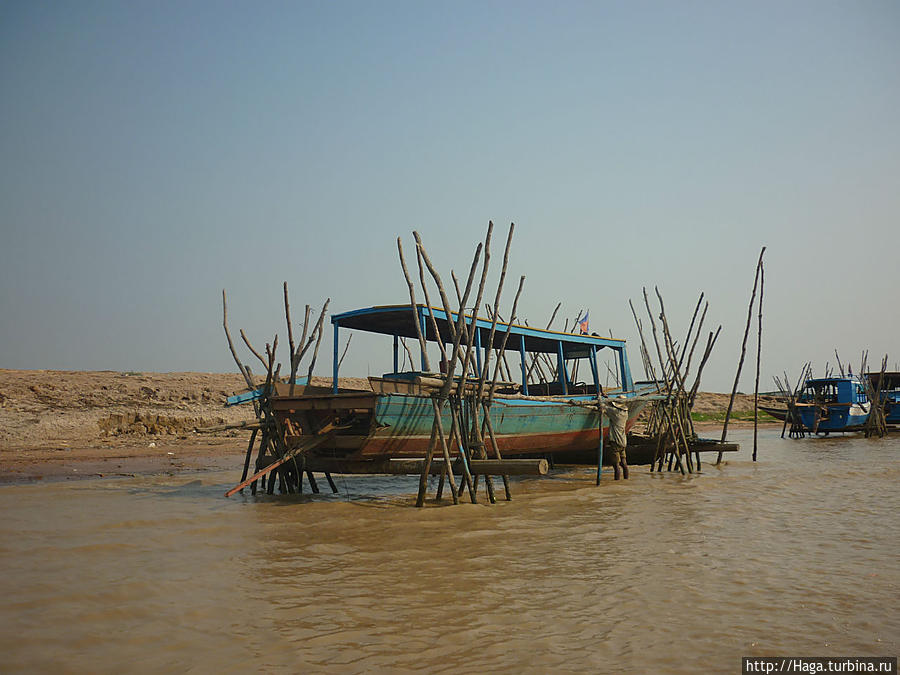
(424, 333)
(625, 371)
(594, 370)
(396, 360)
(334, 370)
(524, 370)
(477, 348)
(561, 368)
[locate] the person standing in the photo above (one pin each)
(617, 411)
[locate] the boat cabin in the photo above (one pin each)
(566, 350)
(833, 390)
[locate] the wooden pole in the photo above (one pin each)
(249, 454)
(737, 376)
(762, 287)
(240, 366)
(318, 328)
(413, 306)
(600, 443)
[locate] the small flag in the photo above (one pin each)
(583, 324)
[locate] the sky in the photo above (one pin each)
(154, 153)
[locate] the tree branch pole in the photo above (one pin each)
(250, 347)
(434, 325)
(737, 376)
(247, 377)
(470, 341)
(423, 478)
(662, 365)
(312, 364)
(346, 347)
(413, 307)
(710, 343)
(762, 288)
(535, 358)
(443, 395)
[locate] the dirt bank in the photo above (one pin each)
(68, 424)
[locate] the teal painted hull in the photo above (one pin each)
(403, 426)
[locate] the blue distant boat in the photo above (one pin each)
(832, 404)
(890, 394)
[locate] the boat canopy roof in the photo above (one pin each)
(831, 380)
(889, 380)
(399, 320)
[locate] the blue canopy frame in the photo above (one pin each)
(399, 321)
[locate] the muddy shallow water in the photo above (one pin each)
(795, 554)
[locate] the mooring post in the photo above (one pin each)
(249, 454)
(335, 364)
(600, 444)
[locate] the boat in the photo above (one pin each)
(779, 414)
(832, 404)
(393, 418)
(889, 385)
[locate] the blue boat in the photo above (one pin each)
(832, 404)
(393, 417)
(889, 384)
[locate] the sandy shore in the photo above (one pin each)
(64, 425)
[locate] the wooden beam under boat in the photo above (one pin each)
(640, 450)
(491, 467)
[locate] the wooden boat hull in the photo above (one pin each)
(376, 426)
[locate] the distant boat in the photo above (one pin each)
(832, 404)
(890, 394)
(779, 414)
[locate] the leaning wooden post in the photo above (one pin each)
(426, 466)
(600, 440)
(665, 408)
(490, 395)
(312, 363)
(457, 338)
(737, 376)
(412, 304)
(240, 366)
(479, 397)
(249, 455)
(762, 287)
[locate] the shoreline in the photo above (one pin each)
(73, 425)
(175, 457)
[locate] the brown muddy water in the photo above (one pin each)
(793, 555)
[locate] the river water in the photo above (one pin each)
(793, 555)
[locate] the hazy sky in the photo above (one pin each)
(156, 152)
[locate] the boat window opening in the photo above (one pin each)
(821, 392)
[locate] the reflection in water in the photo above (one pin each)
(795, 554)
